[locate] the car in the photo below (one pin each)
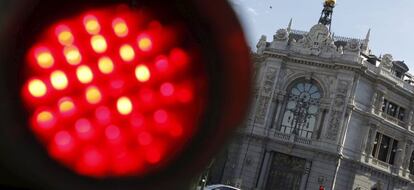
(220, 187)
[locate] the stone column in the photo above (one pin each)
(379, 104)
(371, 139)
(408, 150)
(366, 134)
(280, 110)
(400, 155)
(279, 100)
(374, 101)
(319, 121)
(409, 122)
(264, 170)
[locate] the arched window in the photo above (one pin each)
(301, 109)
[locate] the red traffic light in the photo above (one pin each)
(113, 92)
(119, 94)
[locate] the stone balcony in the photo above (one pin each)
(388, 76)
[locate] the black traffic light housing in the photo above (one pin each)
(215, 28)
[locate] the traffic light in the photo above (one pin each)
(118, 94)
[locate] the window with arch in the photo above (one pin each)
(301, 110)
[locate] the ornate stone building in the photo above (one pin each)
(325, 112)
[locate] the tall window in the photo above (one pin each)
(301, 109)
(392, 109)
(385, 148)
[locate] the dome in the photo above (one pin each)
(401, 65)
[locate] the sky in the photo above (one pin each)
(391, 22)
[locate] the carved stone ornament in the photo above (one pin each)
(281, 35)
(261, 45)
(316, 42)
(262, 106)
(353, 45)
(341, 50)
(386, 61)
(318, 33)
(337, 112)
(269, 80)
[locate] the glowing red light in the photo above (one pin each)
(167, 89)
(160, 116)
(112, 132)
(108, 98)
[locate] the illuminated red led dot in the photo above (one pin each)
(112, 132)
(72, 54)
(161, 63)
(142, 73)
(106, 65)
(91, 24)
(167, 89)
(103, 114)
(59, 80)
(63, 138)
(160, 116)
(44, 58)
(144, 43)
(124, 105)
(37, 88)
(64, 35)
(98, 43)
(63, 144)
(127, 53)
(83, 128)
(120, 28)
(103, 102)
(66, 106)
(93, 95)
(46, 119)
(84, 74)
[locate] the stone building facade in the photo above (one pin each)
(325, 112)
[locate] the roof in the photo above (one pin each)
(338, 40)
(401, 65)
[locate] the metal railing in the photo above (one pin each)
(298, 131)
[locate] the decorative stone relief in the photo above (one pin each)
(337, 110)
(284, 75)
(261, 44)
(353, 45)
(386, 62)
(317, 41)
(281, 35)
(269, 81)
(333, 127)
(341, 50)
(262, 105)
